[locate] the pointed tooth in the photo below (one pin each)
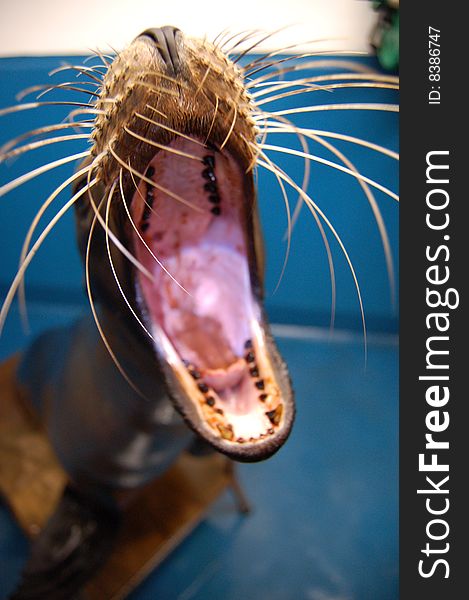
(226, 431)
(275, 415)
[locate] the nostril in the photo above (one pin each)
(165, 39)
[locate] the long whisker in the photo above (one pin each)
(47, 88)
(158, 112)
(159, 263)
(276, 86)
(39, 144)
(86, 111)
(354, 67)
(267, 55)
(153, 183)
(261, 140)
(170, 129)
(8, 187)
(310, 203)
(376, 212)
(156, 88)
(93, 308)
(230, 131)
(21, 271)
(87, 71)
(116, 278)
(307, 167)
(30, 233)
(98, 54)
(334, 166)
(31, 105)
(160, 146)
(326, 107)
(258, 42)
(280, 128)
(115, 240)
(160, 75)
(287, 210)
(219, 37)
(328, 88)
(247, 35)
(327, 246)
(137, 189)
(202, 81)
(275, 63)
(215, 111)
(41, 130)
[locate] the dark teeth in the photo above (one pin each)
(241, 440)
(271, 431)
(248, 344)
(211, 187)
(254, 372)
(260, 384)
(195, 374)
(275, 415)
(263, 397)
(148, 205)
(209, 161)
(150, 172)
(250, 357)
(219, 411)
(210, 401)
(203, 387)
(209, 174)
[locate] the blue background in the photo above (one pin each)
(325, 519)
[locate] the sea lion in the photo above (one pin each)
(168, 229)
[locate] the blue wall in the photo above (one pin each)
(304, 294)
(333, 487)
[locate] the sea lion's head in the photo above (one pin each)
(174, 151)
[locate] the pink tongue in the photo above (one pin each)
(205, 337)
(220, 379)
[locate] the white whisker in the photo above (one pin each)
(334, 166)
(326, 107)
(158, 262)
(30, 233)
(34, 145)
(93, 308)
(280, 128)
(153, 183)
(31, 254)
(311, 204)
(160, 146)
(8, 187)
(41, 130)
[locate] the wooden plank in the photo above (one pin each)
(31, 478)
(158, 519)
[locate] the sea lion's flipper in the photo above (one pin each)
(75, 542)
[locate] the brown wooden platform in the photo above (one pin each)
(163, 514)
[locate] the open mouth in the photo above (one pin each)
(193, 230)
